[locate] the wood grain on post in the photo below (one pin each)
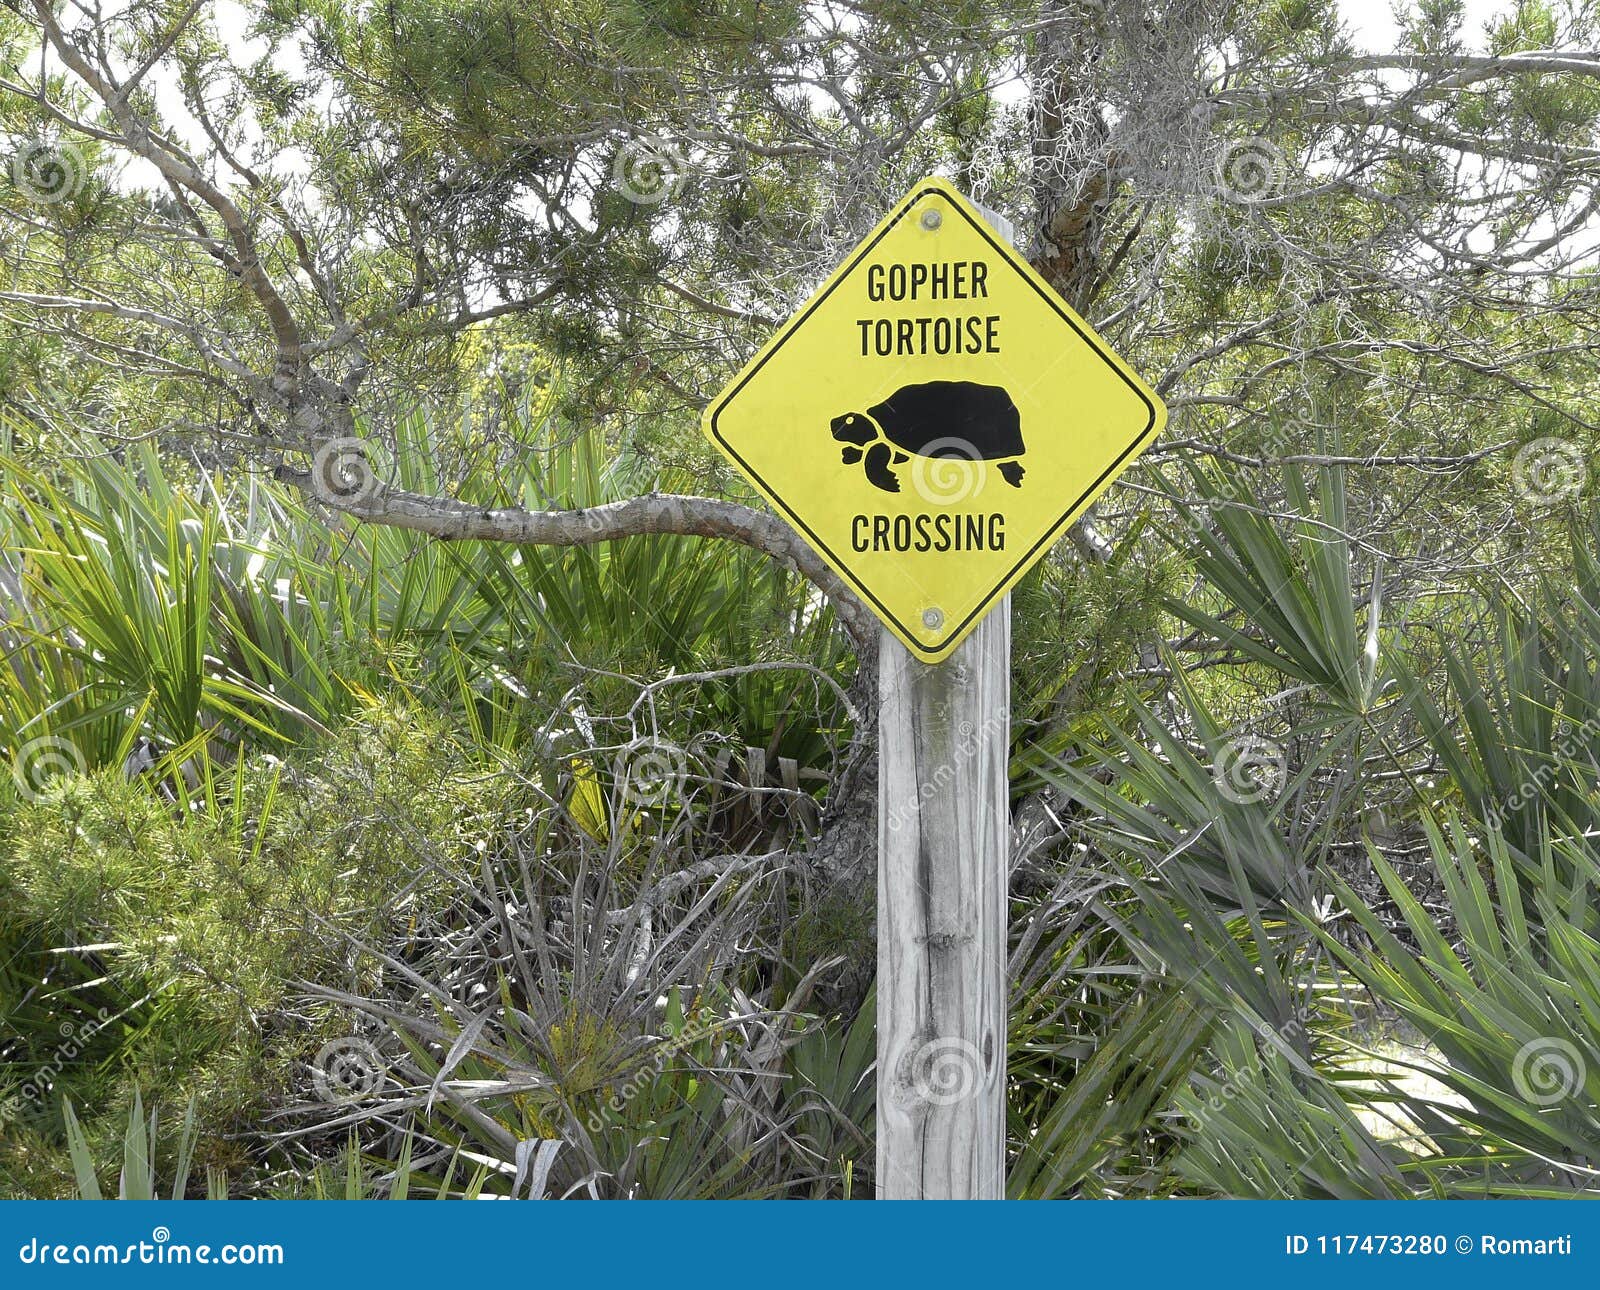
(943, 830)
(944, 827)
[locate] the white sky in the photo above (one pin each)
(1375, 28)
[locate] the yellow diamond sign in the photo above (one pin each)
(933, 418)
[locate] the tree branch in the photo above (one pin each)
(649, 513)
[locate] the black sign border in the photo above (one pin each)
(842, 567)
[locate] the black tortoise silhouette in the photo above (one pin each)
(955, 420)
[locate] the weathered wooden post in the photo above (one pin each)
(944, 733)
(931, 421)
